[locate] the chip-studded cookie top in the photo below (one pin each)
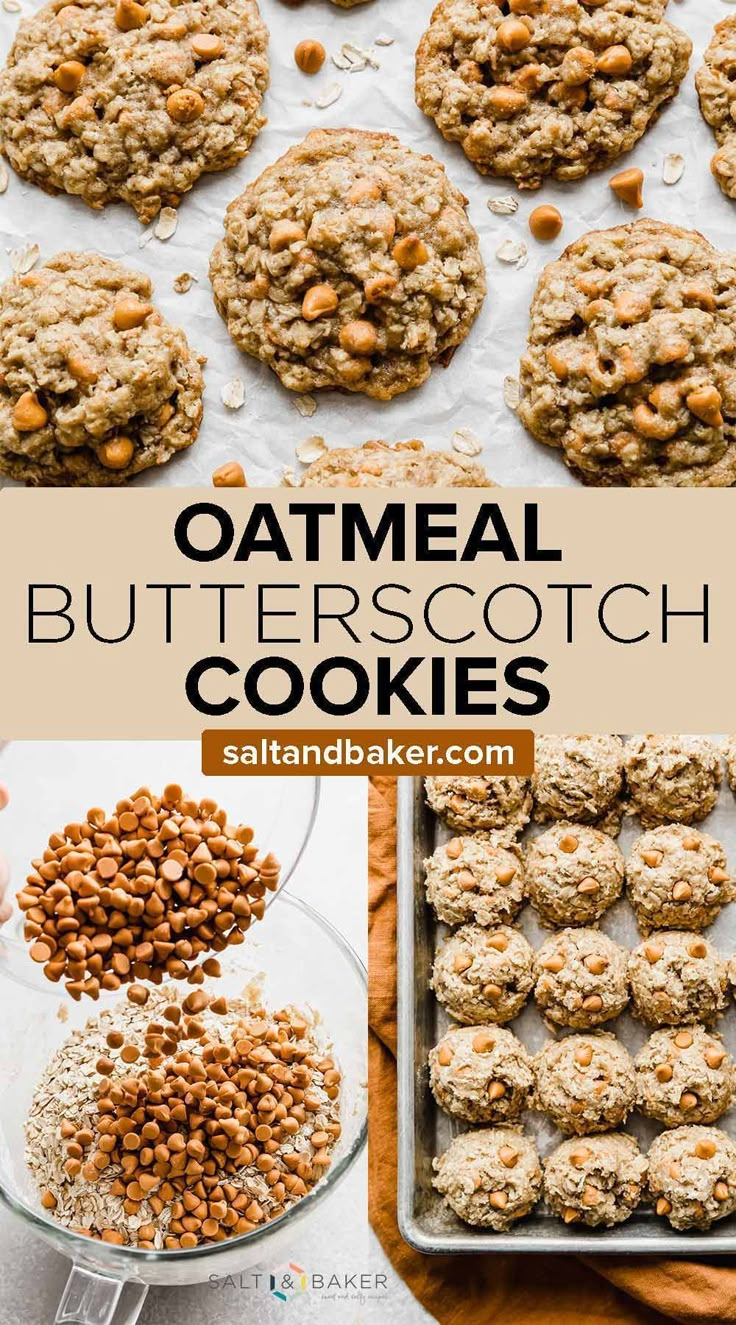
(630, 366)
(112, 100)
(94, 385)
(547, 87)
(349, 263)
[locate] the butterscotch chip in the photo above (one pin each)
(601, 1184)
(614, 396)
(482, 1076)
(545, 91)
(415, 232)
(98, 428)
(481, 1186)
(378, 464)
(165, 97)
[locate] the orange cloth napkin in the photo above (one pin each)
(510, 1290)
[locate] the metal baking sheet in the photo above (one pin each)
(425, 1131)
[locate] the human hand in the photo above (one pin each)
(5, 908)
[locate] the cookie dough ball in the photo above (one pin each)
(579, 778)
(718, 101)
(629, 355)
(113, 102)
(484, 975)
(481, 1073)
(403, 465)
(729, 750)
(581, 979)
(484, 803)
(350, 263)
(574, 874)
(558, 89)
(586, 1083)
(474, 878)
(677, 878)
(684, 1075)
(677, 977)
(692, 1176)
(672, 777)
(96, 386)
(490, 1178)
(598, 1181)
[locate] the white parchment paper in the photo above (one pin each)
(263, 434)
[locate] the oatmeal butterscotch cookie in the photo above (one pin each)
(717, 93)
(484, 975)
(96, 386)
(574, 873)
(581, 979)
(349, 263)
(677, 977)
(692, 1176)
(480, 1073)
(481, 803)
(547, 89)
(490, 1177)
(598, 1181)
(475, 878)
(403, 465)
(579, 778)
(586, 1083)
(630, 368)
(729, 753)
(684, 1074)
(677, 878)
(112, 100)
(672, 777)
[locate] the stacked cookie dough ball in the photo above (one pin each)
(551, 841)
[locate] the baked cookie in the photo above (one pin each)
(677, 878)
(579, 778)
(586, 1083)
(692, 1176)
(581, 979)
(349, 263)
(490, 1178)
(132, 103)
(403, 465)
(480, 1073)
(599, 1181)
(473, 878)
(483, 975)
(672, 777)
(630, 367)
(729, 752)
(717, 93)
(96, 386)
(677, 977)
(485, 803)
(549, 89)
(574, 873)
(684, 1075)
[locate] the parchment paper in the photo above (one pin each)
(468, 394)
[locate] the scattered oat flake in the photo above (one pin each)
(466, 442)
(168, 219)
(383, 40)
(62, 1013)
(23, 258)
(289, 478)
(4, 177)
(145, 237)
(505, 206)
(331, 94)
(673, 168)
(11, 6)
(511, 392)
(232, 394)
(305, 405)
(512, 251)
(310, 450)
(183, 282)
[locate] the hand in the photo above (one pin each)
(6, 909)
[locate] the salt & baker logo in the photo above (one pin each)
(288, 1281)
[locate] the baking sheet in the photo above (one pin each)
(468, 394)
(425, 1131)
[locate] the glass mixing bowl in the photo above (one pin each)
(294, 956)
